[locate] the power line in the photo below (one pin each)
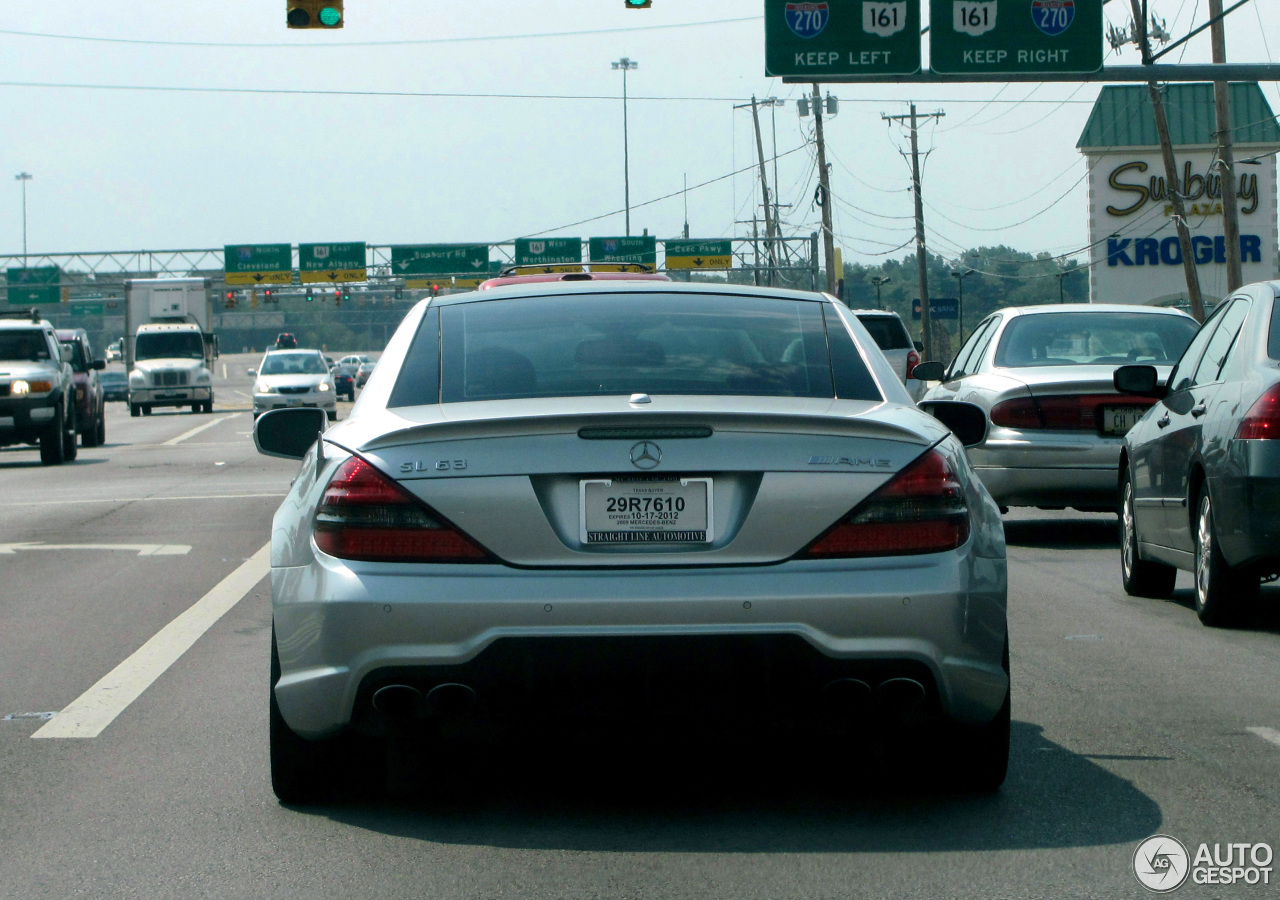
(408, 42)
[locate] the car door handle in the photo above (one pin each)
(1163, 421)
(1199, 410)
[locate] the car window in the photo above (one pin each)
(1220, 344)
(78, 361)
(1180, 378)
(586, 345)
(293, 364)
(1093, 338)
(27, 345)
(1273, 337)
(887, 331)
(982, 335)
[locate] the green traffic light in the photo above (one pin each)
(330, 16)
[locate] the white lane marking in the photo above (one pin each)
(224, 371)
(194, 431)
(1267, 734)
(140, 499)
(142, 549)
(98, 707)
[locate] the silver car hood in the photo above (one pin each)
(28, 369)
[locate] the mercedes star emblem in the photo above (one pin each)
(646, 455)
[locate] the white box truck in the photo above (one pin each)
(170, 350)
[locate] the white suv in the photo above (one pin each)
(37, 388)
(895, 343)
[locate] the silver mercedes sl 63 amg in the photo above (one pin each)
(613, 494)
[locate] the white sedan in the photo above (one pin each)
(293, 378)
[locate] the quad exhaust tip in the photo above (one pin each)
(402, 701)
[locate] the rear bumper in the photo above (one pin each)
(1049, 468)
(264, 403)
(942, 615)
(1247, 505)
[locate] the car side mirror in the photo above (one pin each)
(919, 345)
(929, 371)
(1144, 381)
(253, 373)
(289, 433)
(99, 364)
(967, 421)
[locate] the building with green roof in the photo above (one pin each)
(1135, 256)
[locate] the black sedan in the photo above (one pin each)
(115, 385)
(1200, 473)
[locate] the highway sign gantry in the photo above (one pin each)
(997, 37)
(816, 40)
(258, 263)
(686, 254)
(332, 263)
(553, 254)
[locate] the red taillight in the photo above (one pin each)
(1070, 412)
(913, 360)
(920, 510)
(365, 515)
(1262, 421)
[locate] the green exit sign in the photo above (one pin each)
(826, 38)
(1001, 37)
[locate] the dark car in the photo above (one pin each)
(115, 385)
(90, 400)
(286, 341)
(344, 382)
(1200, 472)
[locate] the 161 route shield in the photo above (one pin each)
(816, 39)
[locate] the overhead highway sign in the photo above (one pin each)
(258, 263)
(332, 263)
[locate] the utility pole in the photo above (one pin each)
(1175, 188)
(922, 267)
(828, 239)
(770, 247)
(24, 177)
(1226, 154)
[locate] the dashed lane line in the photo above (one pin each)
(98, 707)
(194, 431)
(1267, 734)
(190, 497)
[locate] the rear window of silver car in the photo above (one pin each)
(595, 344)
(887, 331)
(1094, 338)
(1273, 338)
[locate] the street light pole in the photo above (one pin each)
(879, 281)
(625, 65)
(24, 177)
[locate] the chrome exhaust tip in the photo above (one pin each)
(901, 694)
(850, 694)
(450, 699)
(398, 700)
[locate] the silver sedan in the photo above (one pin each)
(642, 497)
(1043, 374)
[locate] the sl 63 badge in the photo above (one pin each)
(440, 465)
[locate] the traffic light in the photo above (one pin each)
(399, 292)
(315, 13)
(267, 296)
(231, 299)
(311, 295)
(337, 296)
(435, 290)
(346, 293)
(639, 4)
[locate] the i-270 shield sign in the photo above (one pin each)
(807, 20)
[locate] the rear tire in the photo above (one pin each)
(135, 410)
(207, 407)
(981, 756)
(301, 770)
(1141, 578)
(146, 409)
(70, 447)
(89, 437)
(1224, 596)
(52, 445)
(100, 433)
(195, 409)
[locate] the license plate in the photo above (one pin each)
(644, 511)
(295, 402)
(1119, 419)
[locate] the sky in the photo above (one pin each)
(440, 121)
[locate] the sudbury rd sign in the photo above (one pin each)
(841, 37)
(331, 263)
(258, 263)
(1013, 36)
